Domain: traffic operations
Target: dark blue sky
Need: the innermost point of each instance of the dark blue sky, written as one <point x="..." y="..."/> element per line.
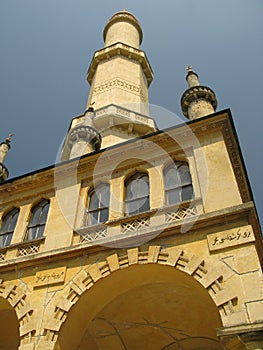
<point x="46" y="47"/>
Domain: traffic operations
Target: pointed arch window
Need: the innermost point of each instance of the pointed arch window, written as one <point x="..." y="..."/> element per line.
<point x="98" y="204"/>
<point x="137" y="199"/>
<point x="8" y="226"/>
<point x="38" y="218"/>
<point x="178" y="183"/>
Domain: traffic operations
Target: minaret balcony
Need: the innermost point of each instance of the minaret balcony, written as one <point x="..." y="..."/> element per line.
<point x="197" y="93"/>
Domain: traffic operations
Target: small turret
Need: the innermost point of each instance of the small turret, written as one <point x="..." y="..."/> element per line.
<point x="84" y="138"/>
<point x="4" y="148"/>
<point x="198" y="100"/>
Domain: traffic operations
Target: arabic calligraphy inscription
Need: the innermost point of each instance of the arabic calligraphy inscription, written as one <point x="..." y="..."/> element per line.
<point x="230" y="238"/>
<point x="51" y="276"/>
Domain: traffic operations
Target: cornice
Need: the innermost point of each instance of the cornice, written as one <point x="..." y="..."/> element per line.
<point x="219" y="121"/>
<point x="120" y="49"/>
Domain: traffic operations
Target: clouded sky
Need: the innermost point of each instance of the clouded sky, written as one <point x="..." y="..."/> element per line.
<point x="46" y="48"/>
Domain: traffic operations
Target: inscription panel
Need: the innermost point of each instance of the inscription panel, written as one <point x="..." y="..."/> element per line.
<point x="229" y="238"/>
<point x="52" y="276"/>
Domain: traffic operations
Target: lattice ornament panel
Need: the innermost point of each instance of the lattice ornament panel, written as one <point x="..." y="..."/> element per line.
<point x="28" y="249"/>
<point x="2" y="256"/>
<point x="93" y="235"/>
<point x="135" y="225"/>
<point x="180" y="214"/>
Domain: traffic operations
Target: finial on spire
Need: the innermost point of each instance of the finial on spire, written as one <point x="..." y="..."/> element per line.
<point x="8" y="139"/>
<point x="189" y="69"/>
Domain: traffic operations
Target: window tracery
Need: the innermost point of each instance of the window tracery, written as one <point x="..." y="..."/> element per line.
<point x="178" y="183"/>
<point x="8" y="226"/>
<point x="98" y="205"/>
<point x="37" y="222"/>
<point x="137" y="196"/>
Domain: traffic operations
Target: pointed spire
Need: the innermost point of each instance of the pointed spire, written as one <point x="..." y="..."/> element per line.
<point x="4" y="148"/>
<point x="197" y="101"/>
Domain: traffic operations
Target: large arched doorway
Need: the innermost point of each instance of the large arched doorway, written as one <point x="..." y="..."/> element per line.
<point x="143" y="307"/>
<point x="9" y="326"/>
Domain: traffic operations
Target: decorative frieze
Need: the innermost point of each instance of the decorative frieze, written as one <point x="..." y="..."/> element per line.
<point x="120" y="84"/>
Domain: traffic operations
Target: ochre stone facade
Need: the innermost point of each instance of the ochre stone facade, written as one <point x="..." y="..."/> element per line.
<point x="186" y="275"/>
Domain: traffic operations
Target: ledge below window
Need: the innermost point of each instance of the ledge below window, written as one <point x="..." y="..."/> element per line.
<point x="128" y="226"/>
<point x="21" y="249"/>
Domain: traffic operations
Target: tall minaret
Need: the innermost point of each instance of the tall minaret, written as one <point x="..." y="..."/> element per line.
<point x="197" y="101"/>
<point x="4" y="148"/>
<point x="119" y="75"/>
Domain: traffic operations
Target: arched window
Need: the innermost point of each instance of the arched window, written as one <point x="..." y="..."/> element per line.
<point x="98" y="204"/>
<point x="37" y="223"/>
<point x="8" y="227"/>
<point x="178" y="183"/>
<point x="137" y="194"/>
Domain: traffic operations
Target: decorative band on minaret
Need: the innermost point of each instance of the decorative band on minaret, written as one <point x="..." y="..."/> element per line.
<point x="4" y="148"/>
<point x="197" y="101"/>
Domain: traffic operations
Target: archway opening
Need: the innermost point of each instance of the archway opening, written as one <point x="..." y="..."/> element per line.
<point x="143" y="307"/>
<point x="9" y="329"/>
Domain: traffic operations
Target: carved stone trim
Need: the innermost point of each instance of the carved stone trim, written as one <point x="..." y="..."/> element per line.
<point x="236" y="163"/>
<point x="16" y="295"/>
<point x="211" y="280"/>
<point x="119" y="83"/>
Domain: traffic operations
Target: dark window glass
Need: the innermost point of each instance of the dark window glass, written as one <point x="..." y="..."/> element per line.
<point x="98" y="206"/>
<point x="8" y="226"/>
<point x="178" y="183"/>
<point x="37" y="223"/>
<point x="137" y="194"/>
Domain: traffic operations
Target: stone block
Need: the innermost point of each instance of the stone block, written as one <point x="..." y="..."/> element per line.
<point x="211" y="276"/>
<point x="174" y="255"/>
<point x="255" y="310"/>
<point x="23" y="311"/>
<point x="223" y="296"/>
<point x="113" y="262"/>
<point x="193" y="264"/>
<point x="27" y="327"/>
<point x="153" y="253"/>
<point x="94" y="272"/>
<point x="252" y="286"/>
<point x="133" y="256"/>
<point x="78" y="280"/>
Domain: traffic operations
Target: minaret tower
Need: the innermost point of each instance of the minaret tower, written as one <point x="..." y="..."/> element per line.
<point x="119" y="75"/>
<point x="198" y="100"/>
<point x="4" y="148"/>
